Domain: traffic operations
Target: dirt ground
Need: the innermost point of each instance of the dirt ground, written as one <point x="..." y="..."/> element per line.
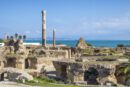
<point x="13" y="84"/>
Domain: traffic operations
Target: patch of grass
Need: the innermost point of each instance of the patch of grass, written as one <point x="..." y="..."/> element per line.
<point x="45" y="82"/>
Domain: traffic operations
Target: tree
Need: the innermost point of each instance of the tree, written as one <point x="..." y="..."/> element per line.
<point x="16" y="36"/>
<point x="1" y="41"/>
<point x="120" y="45"/>
<point x="24" y="37"/>
<point x="8" y="38"/>
<point x="11" y="37"/>
<point x="89" y="44"/>
<point x="20" y="37"/>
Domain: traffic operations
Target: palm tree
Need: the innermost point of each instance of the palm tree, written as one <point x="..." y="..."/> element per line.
<point x="8" y="38"/>
<point x="24" y="37"/>
<point x="11" y="37"/>
<point x="20" y="37"/>
<point x="16" y="36"/>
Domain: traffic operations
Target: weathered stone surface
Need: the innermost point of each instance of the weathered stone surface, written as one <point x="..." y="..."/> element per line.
<point x="1" y="52"/>
<point x="91" y="72"/>
<point x="39" y="52"/>
<point x="107" y="79"/>
<point x="122" y="73"/>
<point x="19" y="47"/>
<point x="127" y="82"/>
<point x="15" y="47"/>
<point x="15" y="74"/>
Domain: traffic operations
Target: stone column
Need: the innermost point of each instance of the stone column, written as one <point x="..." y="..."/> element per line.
<point x="44" y="28"/>
<point x="5" y="37"/>
<point x="20" y="64"/>
<point x="69" y="53"/>
<point x="54" y="38"/>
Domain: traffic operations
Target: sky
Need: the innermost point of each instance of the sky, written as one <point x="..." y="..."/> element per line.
<point x="72" y="19"/>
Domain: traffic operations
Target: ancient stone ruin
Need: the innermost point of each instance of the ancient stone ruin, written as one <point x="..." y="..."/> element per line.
<point x="34" y="60"/>
<point x="91" y="71"/>
<point x="81" y="44"/>
<point x="83" y="64"/>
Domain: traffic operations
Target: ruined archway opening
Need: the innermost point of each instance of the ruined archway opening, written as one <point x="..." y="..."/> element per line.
<point x="11" y="62"/>
<point x="30" y="63"/>
<point x="91" y="75"/>
<point x="26" y="64"/>
<point x="64" y="71"/>
<point x="4" y="76"/>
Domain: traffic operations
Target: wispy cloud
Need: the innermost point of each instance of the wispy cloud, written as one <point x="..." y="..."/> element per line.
<point x="120" y="22"/>
<point x="113" y="25"/>
<point x="27" y="32"/>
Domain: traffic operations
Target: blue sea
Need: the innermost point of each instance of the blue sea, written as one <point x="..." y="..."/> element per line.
<point x="95" y="43"/>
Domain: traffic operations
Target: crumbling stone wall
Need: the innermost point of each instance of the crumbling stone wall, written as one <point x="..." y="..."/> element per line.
<point x="30" y="63"/>
<point x="122" y="73"/>
<point x="1" y="64"/>
<point x="76" y="72"/>
<point x="14" y="74"/>
<point x="72" y="71"/>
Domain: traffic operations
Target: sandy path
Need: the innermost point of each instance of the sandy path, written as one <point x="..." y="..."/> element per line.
<point x="13" y="84"/>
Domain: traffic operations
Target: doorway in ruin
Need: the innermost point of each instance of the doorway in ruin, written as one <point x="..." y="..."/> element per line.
<point x="64" y="71"/>
<point x="11" y="62"/>
<point x="30" y="63"/>
<point x="4" y="76"/>
<point x="27" y="63"/>
<point x="91" y="75"/>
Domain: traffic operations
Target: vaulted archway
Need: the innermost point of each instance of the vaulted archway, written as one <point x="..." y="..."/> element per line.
<point x="91" y="75"/>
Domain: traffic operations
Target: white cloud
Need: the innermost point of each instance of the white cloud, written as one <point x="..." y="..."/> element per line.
<point x="117" y="23"/>
<point x="27" y="32"/>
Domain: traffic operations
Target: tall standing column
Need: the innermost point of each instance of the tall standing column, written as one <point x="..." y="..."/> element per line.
<point x="44" y="28"/>
<point x="54" y="38"/>
<point x="6" y="36"/>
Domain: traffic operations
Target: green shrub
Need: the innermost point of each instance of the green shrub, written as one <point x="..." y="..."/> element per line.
<point x="32" y="81"/>
<point x="89" y="44"/>
<point x="1" y="40"/>
<point x="44" y="80"/>
<point x="120" y="45"/>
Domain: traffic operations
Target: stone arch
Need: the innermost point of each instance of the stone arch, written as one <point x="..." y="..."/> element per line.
<point x="91" y="76"/>
<point x="11" y="62"/>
